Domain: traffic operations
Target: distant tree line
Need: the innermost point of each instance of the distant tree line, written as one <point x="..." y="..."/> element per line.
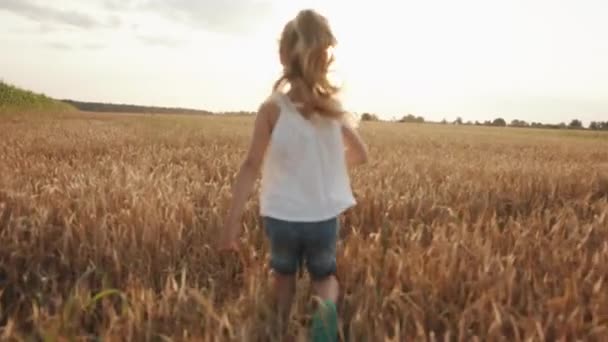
<point x="239" y="113"/>
<point x="127" y="108"/>
<point x="369" y="117"/>
<point x="410" y="118"/>
<point x="574" y="124"/>
<point x="599" y="125"/>
<point x="406" y="118"/>
<point x="498" y="122"/>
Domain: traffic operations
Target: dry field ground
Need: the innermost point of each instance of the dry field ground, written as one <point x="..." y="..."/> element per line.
<point x="460" y="234"/>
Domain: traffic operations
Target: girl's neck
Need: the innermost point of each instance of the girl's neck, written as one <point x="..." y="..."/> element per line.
<point x="298" y="99"/>
<point x="295" y="94"/>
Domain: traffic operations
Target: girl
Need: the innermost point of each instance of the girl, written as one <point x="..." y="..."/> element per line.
<point x="302" y="142"/>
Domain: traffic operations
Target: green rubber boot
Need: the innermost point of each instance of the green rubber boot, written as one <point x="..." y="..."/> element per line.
<point x="325" y="323"/>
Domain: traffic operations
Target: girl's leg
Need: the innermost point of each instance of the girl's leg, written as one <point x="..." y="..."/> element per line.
<point x="285" y="255"/>
<point x="325" y="318"/>
<point x="320" y="252"/>
<point x="327" y="288"/>
<point x="284" y="289"/>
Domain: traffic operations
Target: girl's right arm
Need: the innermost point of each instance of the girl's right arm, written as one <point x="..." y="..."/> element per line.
<point x="248" y="173"/>
<point x="356" y="150"/>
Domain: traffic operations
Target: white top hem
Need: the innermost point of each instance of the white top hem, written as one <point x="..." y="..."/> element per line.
<point x="304" y="218"/>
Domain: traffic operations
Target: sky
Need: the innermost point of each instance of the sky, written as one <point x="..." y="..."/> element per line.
<point x="536" y="60"/>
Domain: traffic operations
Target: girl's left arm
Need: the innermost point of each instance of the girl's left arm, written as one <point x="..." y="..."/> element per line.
<point x="248" y="174"/>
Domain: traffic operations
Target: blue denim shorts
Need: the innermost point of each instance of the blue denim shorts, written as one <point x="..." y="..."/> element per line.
<point x="293" y="243"/>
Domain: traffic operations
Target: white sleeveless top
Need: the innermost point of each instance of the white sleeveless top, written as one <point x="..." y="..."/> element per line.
<point x="304" y="175"/>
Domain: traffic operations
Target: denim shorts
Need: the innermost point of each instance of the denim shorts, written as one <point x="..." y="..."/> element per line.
<point x="293" y="243"/>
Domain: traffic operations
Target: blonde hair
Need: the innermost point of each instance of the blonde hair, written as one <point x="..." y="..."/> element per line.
<point x="304" y="47"/>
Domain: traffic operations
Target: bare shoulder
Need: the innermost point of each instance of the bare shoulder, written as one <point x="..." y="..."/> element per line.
<point x="269" y="111"/>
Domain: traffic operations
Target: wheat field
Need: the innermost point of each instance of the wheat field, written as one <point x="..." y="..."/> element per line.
<point x="459" y="234"/>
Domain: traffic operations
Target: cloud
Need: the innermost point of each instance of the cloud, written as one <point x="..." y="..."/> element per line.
<point x="92" y="47"/>
<point x="160" y="41"/>
<point x="226" y="16"/>
<point x="48" y="15"/>
<point x="119" y="5"/>
<point x="67" y="47"/>
<point x="114" y="21"/>
<point x="59" y="46"/>
<point x="41" y="28"/>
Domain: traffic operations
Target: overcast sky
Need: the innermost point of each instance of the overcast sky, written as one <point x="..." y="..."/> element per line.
<point x="538" y="60"/>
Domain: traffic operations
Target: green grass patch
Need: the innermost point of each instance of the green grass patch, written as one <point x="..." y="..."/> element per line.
<point x="16" y="100"/>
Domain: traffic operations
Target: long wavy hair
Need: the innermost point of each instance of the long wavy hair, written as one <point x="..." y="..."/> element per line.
<point x="305" y="51"/>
